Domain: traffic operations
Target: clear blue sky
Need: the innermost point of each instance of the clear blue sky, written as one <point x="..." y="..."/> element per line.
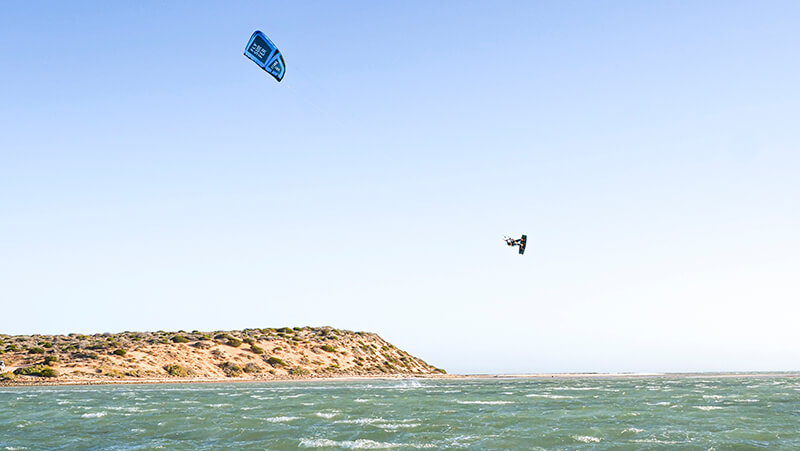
<point x="152" y="177"/>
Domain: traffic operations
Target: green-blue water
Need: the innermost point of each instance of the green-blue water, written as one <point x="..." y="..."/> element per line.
<point x="639" y="413"/>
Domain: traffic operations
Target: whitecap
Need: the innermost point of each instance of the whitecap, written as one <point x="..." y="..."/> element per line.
<point x="655" y="440"/>
<point x="327" y="415"/>
<point x="357" y="444"/>
<point x="538" y="395"/>
<point x="360" y="400"/>
<point x="395" y="426"/>
<point x="707" y="407"/>
<point x="586" y="438"/>
<point x="93" y="415"/>
<point x="491" y="403"/>
<point x="281" y="419"/>
<point x="362" y="421"/>
<point x="660" y="403"/>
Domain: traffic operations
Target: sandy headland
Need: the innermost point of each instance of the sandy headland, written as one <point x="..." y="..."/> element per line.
<point x="239" y="355"/>
<point x="268" y="354"/>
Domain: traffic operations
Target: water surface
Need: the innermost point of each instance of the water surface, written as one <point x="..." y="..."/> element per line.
<point x="637" y="413"/>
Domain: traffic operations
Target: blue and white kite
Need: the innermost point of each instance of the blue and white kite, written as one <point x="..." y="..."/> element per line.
<point x="266" y="54"/>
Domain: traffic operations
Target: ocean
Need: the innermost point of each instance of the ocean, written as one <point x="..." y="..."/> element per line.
<point x="552" y="413"/>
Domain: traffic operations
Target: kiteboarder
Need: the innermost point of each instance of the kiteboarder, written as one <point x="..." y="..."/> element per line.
<point x="521" y="242"/>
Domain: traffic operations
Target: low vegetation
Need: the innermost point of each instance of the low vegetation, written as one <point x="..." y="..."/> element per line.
<point x="36" y="370"/>
<point x="173" y="369"/>
<point x="231" y="369"/>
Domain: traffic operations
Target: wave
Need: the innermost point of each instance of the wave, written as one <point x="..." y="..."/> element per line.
<point x="660" y="403"/>
<point x="547" y="395"/>
<point x="362" y="421"/>
<point x="357" y="444"/>
<point x="586" y="438"/>
<point x="281" y="419"/>
<point x="491" y="403"/>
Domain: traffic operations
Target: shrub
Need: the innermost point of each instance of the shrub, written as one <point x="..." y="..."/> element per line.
<point x="46" y="344"/>
<point x="8" y="376"/>
<point x="179" y="339"/>
<point x="286" y="330"/>
<point x="36" y="350"/>
<point x="110" y="372"/>
<point x="252" y="368"/>
<point x="248" y="340"/>
<point x="439" y="370"/>
<point x="328" y="348"/>
<point x="120" y="352"/>
<point x="176" y="370"/>
<point x="298" y="371"/>
<point x="84" y="355"/>
<point x="36" y="370"/>
<point x="202" y="345"/>
<point x="256" y="349"/>
<point x="50" y="359"/>
<point x="231" y="369"/>
<point x="274" y="361"/>
<point x="235" y="342"/>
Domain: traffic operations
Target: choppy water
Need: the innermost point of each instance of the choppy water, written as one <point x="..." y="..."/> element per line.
<point x="646" y="413"/>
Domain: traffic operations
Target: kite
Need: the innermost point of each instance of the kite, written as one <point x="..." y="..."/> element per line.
<point x="266" y="54"/>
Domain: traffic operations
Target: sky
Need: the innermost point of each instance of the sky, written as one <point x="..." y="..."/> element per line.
<point x="154" y="178"/>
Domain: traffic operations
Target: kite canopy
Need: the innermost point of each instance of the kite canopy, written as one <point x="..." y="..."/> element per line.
<point x="264" y="53"/>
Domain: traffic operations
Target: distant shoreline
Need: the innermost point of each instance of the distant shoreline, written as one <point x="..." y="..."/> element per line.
<point x="213" y="380"/>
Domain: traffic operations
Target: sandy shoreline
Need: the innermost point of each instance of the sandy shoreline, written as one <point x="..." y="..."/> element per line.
<point x="214" y="380"/>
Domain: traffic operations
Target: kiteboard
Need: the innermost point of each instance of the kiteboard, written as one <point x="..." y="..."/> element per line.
<point x="522" y="242"/>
